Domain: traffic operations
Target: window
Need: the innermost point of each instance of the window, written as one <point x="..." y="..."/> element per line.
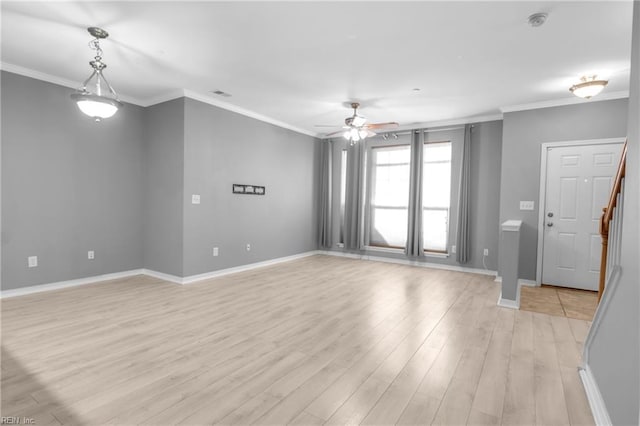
<point x="343" y="192"/>
<point x="389" y="196"/>
<point x="436" y="196"/>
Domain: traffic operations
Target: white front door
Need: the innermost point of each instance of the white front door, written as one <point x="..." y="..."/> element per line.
<point x="578" y="183"/>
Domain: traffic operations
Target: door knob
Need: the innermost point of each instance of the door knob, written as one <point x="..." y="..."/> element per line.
<point x="550" y="214"/>
<point x="549" y="224"/>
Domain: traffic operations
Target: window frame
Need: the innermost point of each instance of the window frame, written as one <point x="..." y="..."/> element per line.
<point x="374" y="144"/>
<point x="454" y="137"/>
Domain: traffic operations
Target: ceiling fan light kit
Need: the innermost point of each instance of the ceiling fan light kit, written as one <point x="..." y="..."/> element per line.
<point x="357" y="128"/>
<point x="101" y="102"/>
<point x="589" y="86"/>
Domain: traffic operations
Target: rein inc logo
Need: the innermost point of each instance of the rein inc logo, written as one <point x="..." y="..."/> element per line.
<point x="14" y="420"/>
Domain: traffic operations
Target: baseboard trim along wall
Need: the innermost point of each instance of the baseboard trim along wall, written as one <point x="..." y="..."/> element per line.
<point x="596" y="402"/>
<point x="508" y="303"/>
<point x="155" y="274"/>
<point x="408" y="262"/>
<point x="522" y="282"/>
<point x="219" y="273"/>
<point x="70" y="283"/>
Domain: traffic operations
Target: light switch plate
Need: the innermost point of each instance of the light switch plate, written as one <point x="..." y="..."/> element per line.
<point x="195" y="199"/>
<point x="91" y="255"/>
<point x="526" y="205"/>
<point x="32" y="261"/>
<point x="215" y="251"/>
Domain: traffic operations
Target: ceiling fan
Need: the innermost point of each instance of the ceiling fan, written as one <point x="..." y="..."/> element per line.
<point x="356" y="127"/>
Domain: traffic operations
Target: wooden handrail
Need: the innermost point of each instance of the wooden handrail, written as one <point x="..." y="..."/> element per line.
<point x="607" y="215"/>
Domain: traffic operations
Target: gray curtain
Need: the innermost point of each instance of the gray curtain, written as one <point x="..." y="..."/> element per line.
<point x="463" y="249"/>
<point x="354" y="195"/>
<point x="324" y="232"/>
<point x="414" y="228"/>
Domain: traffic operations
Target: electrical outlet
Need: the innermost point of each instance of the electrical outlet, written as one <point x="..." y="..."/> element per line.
<point x="32" y="261"/>
<point x="486" y="252"/>
<point x="195" y="199"/>
<point x="526" y="205"/>
<point x="453" y="249"/>
<point x="248" y="247"/>
<point x="215" y="251"/>
<point x="91" y="255"/>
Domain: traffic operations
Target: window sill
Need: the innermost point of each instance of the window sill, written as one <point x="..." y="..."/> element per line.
<point x="436" y="255"/>
<point x="384" y="249"/>
<point x="401" y="251"/>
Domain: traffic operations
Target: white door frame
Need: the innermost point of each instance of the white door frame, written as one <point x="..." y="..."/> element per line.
<point x="543" y="188"/>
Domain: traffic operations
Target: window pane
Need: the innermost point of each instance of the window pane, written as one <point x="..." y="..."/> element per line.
<point x="391" y="186"/>
<point x="437" y="151"/>
<point x="392" y="155"/>
<point x="435" y="225"/>
<point x="389" y="196"/>
<point x="436" y="195"/>
<point x="436" y="188"/>
<point x="388" y="227"/>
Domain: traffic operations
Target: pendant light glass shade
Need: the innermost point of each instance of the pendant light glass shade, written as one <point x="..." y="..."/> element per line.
<point x="96" y="98"/>
<point x="96" y="107"/>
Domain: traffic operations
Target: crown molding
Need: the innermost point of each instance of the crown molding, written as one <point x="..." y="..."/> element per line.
<point x="248" y="113"/>
<point x="565" y="101"/>
<point x="452" y="122"/>
<point x="441" y="123"/>
<point x="170" y="95"/>
<point x="164" y="97"/>
<point x="49" y="78"/>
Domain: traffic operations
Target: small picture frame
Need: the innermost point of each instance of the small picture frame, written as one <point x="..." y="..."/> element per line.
<point x="238" y="188"/>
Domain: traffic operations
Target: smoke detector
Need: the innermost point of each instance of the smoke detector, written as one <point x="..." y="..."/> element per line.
<point x="537" y="19"/>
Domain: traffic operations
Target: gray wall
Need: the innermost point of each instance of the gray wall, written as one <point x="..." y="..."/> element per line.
<point x="486" y="147"/>
<point x="614" y="353"/>
<point x="485" y="194"/>
<point x="69" y="185"/>
<point x="123" y="188"/>
<point x="164" y="187"/>
<point x="222" y="148"/>
<point x="523" y="134"/>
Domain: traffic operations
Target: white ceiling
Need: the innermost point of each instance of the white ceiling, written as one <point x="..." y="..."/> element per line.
<point x="297" y="63"/>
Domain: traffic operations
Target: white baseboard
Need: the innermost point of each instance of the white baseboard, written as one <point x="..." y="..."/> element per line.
<point x="408" y="262"/>
<point x="598" y="407"/>
<point x="160" y="275"/>
<point x="522" y="282"/>
<point x="69" y="283"/>
<point x="508" y="303"/>
<point x="213" y="274"/>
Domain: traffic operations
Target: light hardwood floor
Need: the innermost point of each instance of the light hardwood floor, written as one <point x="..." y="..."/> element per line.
<point x="320" y="340"/>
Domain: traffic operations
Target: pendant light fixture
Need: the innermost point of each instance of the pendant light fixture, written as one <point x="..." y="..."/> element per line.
<point x="96" y="98"/>
<point x="589" y="86"/>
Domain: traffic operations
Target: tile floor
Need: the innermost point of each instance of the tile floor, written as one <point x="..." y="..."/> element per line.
<point x="559" y="301"/>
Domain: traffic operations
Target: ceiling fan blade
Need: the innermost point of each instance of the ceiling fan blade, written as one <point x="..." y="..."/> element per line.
<point x="338" y="133"/>
<point x="389" y="125"/>
<point x="326" y="125"/>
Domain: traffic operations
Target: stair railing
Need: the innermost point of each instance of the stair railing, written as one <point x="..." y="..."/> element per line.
<point x="611" y="224"/>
